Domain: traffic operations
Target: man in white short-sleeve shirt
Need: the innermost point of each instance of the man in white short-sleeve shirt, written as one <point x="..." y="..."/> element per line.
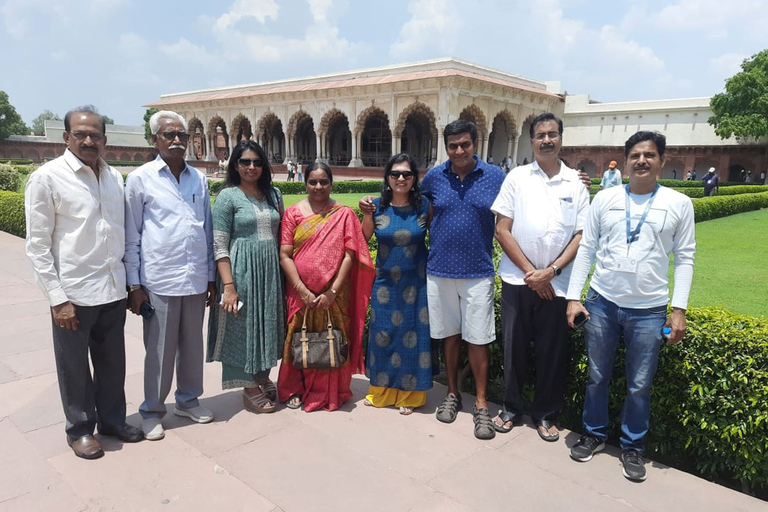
<point x="540" y="212"/>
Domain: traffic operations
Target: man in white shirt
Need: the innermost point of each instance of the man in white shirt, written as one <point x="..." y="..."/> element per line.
<point x="631" y="230"/>
<point x="75" y="241"/>
<point x="540" y="212"/>
<point x="170" y="268"/>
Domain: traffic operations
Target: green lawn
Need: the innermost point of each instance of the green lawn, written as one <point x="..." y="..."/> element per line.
<point x="350" y="200"/>
<point x="730" y="268"/>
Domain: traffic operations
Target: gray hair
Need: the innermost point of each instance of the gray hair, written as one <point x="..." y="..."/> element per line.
<point x="154" y="121"/>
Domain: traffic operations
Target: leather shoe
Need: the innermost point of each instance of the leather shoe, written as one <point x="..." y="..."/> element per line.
<point x="85" y="447"/>
<point x="125" y="432"/>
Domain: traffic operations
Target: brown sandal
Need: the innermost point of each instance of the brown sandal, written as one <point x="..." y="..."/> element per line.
<point x="269" y="389"/>
<point x="258" y="403"/>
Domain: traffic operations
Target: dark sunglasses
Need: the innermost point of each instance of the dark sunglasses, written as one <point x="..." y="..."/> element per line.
<point x="405" y="174"/>
<point x="171" y="136"/>
<point x="246" y="162"/>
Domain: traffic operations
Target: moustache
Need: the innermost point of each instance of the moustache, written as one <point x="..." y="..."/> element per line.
<point x="642" y="167"/>
<point x="547" y="146"/>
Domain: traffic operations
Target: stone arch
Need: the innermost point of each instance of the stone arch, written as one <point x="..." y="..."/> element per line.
<point x="375" y="137"/>
<point x="125" y="157"/>
<point x="48" y="154"/>
<point x="674" y="168"/>
<point x="241" y="128"/>
<point x="217" y="130"/>
<point x="301" y="128"/>
<point x="418" y="133"/>
<point x="589" y="166"/>
<point x="270" y="135"/>
<point x="502" y="138"/>
<point x="474" y="114"/>
<point x="33" y="155"/>
<point x="336" y="137"/>
<point x="525" y="149"/>
<point x="110" y="157"/>
<point x="197" y="146"/>
<point x="15" y="153"/>
<point x="138" y="157"/>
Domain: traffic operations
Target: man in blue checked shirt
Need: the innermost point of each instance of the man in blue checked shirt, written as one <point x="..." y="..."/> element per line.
<point x="170" y="271"/>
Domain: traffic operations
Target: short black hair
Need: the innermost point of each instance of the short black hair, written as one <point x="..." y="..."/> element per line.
<point x="546" y="116"/>
<point x="642" y="136"/>
<point x="458" y="127"/>
<point x="82" y="109"/>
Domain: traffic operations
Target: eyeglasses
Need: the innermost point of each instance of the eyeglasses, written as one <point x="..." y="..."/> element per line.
<point x="322" y="183"/>
<point x="453" y="146"/>
<point x="406" y="175"/>
<point x="247" y="162"/>
<point x="95" y="137"/>
<point x="171" y="136"/>
<point x="551" y="135"/>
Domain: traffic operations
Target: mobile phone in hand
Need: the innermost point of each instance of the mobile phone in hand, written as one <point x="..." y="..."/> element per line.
<point x="580" y="320"/>
<point x="146" y="310"/>
<point x="239" y="304"/>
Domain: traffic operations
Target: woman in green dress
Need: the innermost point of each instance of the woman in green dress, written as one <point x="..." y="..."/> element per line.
<point x="247" y="327"/>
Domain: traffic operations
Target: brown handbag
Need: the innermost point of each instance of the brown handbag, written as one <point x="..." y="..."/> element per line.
<point x="319" y="350"/>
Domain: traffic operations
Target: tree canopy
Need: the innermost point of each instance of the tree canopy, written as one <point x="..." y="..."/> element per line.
<point x="38" y="123"/>
<point x="108" y="120"/>
<point x="147" y="131"/>
<point x="10" y="120"/>
<point x="742" y="110"/>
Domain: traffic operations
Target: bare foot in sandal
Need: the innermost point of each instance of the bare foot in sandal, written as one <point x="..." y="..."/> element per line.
<point x="268" y="387"/>
<point x="255" y="400"/>
<point x="502" y="426"/>
<point x="294" y="402"/>
<point x="405" y="411"/>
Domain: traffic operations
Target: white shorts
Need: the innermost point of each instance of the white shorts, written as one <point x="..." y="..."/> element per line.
<point x="461" y="306"/>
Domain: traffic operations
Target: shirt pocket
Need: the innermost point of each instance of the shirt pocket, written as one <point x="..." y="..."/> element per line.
<point x="567" y="211"/>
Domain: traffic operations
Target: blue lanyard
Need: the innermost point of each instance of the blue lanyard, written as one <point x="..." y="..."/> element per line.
<point x="632" y="234"/>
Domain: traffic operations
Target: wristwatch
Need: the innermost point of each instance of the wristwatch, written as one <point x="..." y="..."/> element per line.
<point x="134" y="287"/>
<point x="557" y="269"/>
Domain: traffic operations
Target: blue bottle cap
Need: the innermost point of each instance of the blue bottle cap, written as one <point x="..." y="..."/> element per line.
<point x="666" y="331"/>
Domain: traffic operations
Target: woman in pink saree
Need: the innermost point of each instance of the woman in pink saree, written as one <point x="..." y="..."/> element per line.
<point x="328" y="268"/>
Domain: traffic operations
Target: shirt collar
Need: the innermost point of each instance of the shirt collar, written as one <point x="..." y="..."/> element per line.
<point x="75" y="164"/>
<point x="560" y="176"/>
<point x="158" y="164"/>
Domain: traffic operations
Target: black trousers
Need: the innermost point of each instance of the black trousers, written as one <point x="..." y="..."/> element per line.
<point x="100" y="398"/>
<point x="527" y="318"/>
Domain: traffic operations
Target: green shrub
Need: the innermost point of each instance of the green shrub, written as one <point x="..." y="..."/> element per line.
<point x="695" y="193"/>
<point x="12" y="213"/>
<point x="124" y="163"/>
<point x="708" y="208"/>
<point x="10" y="179"/>
<point x="298" y="187"/>
<point x="19" y="161"/>
<point x="25" y="170"/>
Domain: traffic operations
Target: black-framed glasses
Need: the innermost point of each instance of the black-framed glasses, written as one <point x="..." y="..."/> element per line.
<point x="247" y="162"/>
<point x="406" y="175"/>
<point x="95" y="137"/>
<point x="171" y="136"/>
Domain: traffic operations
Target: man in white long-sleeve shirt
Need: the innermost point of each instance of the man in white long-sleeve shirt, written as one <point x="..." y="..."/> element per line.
<point x="635" y="227"/>
<point x="169" y="265"/>
<point x="75" y="241"/>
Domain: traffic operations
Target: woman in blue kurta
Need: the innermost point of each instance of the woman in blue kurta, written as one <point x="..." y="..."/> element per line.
<point x="399" y="358"/>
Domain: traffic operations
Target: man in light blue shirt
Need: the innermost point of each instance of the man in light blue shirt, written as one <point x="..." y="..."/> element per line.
<point x="611" y="176"/>
<point x="170" y="271"/>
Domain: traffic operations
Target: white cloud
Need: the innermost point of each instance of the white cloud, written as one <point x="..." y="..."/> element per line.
<point x="321" y="39"/>
<point x="433" y="24"/>
<point x="726" y="65"/>
<point x="241" y="9"/>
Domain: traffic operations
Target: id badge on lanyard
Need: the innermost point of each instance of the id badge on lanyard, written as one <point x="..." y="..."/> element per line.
<point x="626" y="263"/>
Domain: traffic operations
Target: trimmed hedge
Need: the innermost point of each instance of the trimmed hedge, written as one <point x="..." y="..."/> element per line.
<point x="12" y="213"/>
<point x="124" y="163"/>
<point x="708" y="208"/>
<point x="10" y="178"/>
<point x="695" y="193"/>
<point x="21" y="161"/>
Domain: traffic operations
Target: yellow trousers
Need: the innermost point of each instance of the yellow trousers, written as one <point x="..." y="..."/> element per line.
<point x="383" y="397"/>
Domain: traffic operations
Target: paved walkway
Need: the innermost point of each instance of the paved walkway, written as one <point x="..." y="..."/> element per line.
<point x="357" y="458"/>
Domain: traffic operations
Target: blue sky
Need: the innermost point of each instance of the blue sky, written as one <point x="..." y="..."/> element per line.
<point x="121" y="54"/>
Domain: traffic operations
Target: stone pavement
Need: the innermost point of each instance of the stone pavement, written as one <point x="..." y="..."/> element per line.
<point x="357" y="458"/>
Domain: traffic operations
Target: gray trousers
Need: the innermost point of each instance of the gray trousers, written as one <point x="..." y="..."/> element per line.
<point x="173" y="336"/>
<point x="98" y="398"/>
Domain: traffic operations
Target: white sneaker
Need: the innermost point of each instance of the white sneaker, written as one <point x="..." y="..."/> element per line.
<point x="199" y="414"/>
<point x="153" y="429"/>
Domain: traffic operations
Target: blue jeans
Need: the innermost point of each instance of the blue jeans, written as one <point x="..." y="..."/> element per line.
<point x="642" y="338"/>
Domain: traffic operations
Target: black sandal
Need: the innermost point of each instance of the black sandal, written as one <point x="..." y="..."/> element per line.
<point x="484" y="428"/>
<point x="449" y="409"/>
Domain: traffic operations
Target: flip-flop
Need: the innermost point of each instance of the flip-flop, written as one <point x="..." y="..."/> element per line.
<point x="293" y="405"/>
<point x="405" y="411"/>
<point x="505" y="418"/>
<point x="546" y="436"/>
